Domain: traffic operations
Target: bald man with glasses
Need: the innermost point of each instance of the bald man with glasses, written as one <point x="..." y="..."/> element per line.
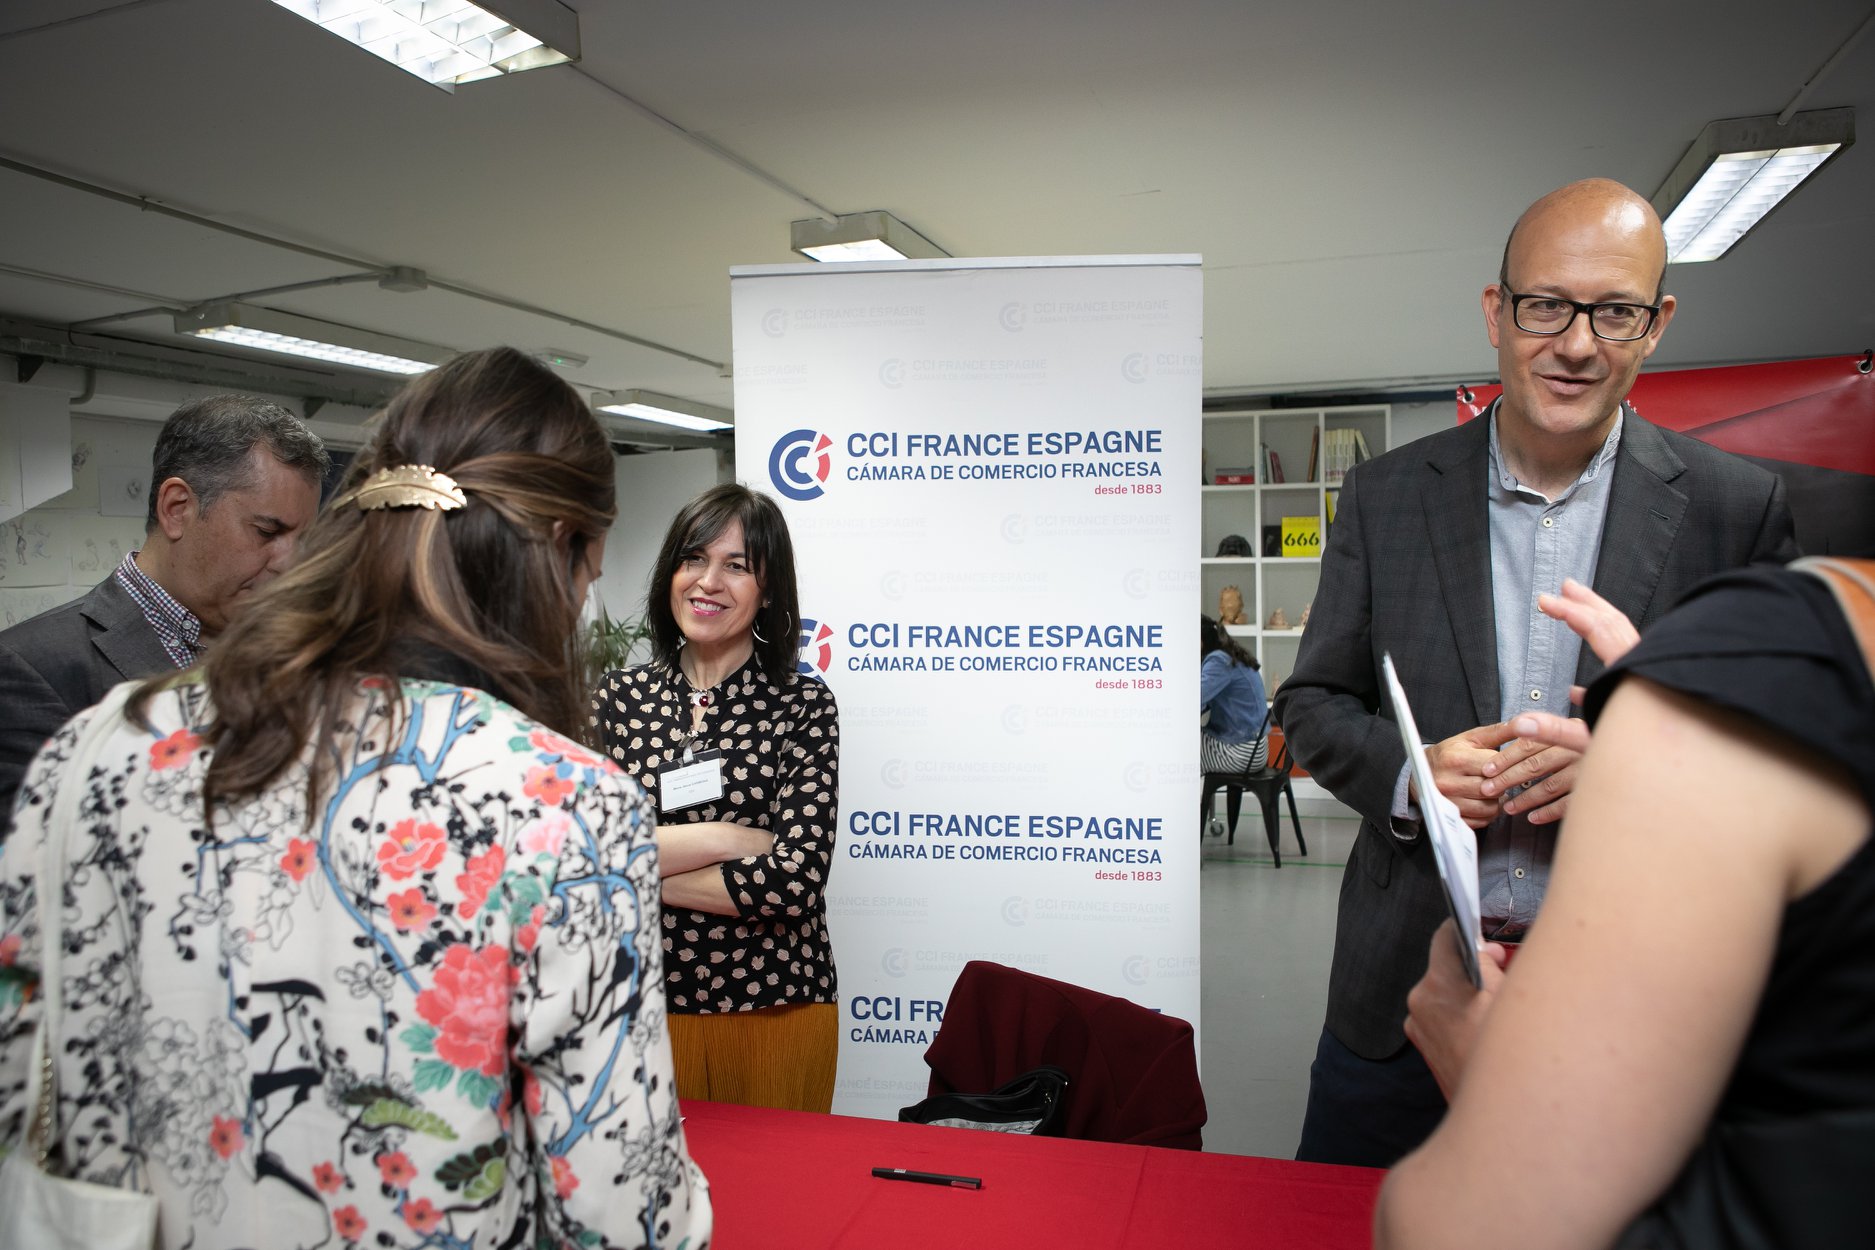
<point x="1439" y="551"/>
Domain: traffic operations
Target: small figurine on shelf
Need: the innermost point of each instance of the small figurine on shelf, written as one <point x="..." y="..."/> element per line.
<point x="1306" y="609"/>
<point x="1230" y="607"/>
<point x="1277" y="620"/>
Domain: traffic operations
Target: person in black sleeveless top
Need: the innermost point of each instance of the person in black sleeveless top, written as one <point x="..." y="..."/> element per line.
<point x="1687" y="1041"/>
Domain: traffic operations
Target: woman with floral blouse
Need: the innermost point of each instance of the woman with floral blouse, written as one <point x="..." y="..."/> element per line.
<point x="360" y="948"/>
<point x="741" y="754"/>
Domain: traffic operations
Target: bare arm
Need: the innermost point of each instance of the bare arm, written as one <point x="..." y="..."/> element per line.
<point x="1612" y="1037"/>
<point x="708" y="842"/>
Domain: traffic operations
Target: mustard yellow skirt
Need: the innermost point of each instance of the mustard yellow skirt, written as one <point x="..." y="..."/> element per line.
<point x="768" y="1057"/>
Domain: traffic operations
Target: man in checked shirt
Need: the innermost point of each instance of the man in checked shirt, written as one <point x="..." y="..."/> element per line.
<point x="234" y="481"/>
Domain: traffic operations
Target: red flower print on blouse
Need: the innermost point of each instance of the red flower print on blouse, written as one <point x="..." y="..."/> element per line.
<point x="301" y="854"/>
<point x="422" y="1215"/>
<point x="226" y="1136"/>
<point x="411" y="848"/>
<point x="547" y="742"/>
<point x="350" y="1224"/>
<point x="529" y="933"/>
<point x="410" y="910"/>
<point x="484" y="873"/>
<point x="174" y="750"/>
<point x="396" y="1169"/>
<point x="532" y="1094"/>
<point x="9" y="950"/>
<point x="468" y="1004"/>
<point x="564" y="1182"/>
<point x="547" y="785"/>
<point x="327" y="1178"/>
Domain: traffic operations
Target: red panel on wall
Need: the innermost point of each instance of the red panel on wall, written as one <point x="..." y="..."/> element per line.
<point x="1812" y="421"/>
<point x="1818" y="412"/>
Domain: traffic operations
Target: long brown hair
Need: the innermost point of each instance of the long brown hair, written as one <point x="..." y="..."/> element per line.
<point x="486" y="583"/>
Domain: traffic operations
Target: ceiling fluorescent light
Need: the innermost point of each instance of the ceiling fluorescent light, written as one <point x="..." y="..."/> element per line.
<point x="686" y="414"/>
<point x="861" y="236"/>
<point x="247" y="325"/>
<point x="450" y="42"/>
<point x="1737" y="171"/>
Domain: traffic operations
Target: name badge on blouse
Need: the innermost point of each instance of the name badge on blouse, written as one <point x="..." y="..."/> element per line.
<point x="697" y="778"/>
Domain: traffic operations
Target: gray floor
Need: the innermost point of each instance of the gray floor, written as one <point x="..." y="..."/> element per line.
<point x="1267" y="936"/>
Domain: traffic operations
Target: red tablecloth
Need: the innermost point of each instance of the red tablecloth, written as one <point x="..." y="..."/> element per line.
<point x="785" y="1180"/>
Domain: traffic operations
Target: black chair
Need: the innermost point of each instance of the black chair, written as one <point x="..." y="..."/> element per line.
<point x="1267" y="783"/>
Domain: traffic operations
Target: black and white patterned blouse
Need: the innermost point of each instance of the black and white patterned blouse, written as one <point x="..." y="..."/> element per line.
<point x="781" y="768"/>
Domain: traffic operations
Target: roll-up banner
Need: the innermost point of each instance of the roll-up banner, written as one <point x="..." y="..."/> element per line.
<point x="990" y="469"/>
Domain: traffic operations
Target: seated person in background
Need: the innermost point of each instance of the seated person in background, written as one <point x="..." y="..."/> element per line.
<point x="1230" y="689"/>
<point x="234" y="483"/>
<point x="360" y="948"/>
<point x="1686" y="1044"/>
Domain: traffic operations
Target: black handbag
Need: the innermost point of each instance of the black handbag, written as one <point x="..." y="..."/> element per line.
<point x="1034" y="1103"/>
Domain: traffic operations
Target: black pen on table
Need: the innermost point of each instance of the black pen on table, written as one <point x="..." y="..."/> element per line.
<point x="928" y="1178"/>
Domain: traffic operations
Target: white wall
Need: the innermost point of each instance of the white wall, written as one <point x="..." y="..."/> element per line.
<point x="57" y="551"/>
<point x="651" y="488"/>
<point x="1411" y="421"/>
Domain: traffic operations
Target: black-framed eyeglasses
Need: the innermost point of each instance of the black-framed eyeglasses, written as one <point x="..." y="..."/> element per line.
<point x="1552" y="314"/>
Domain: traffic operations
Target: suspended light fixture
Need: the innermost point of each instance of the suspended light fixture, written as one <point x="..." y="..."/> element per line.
<point x="1737" y="171"/>
<point x="450" y="42"/>
<point x="687" y="414"/>
<point x="875" y="235"/>
<point x="267" y="330"/>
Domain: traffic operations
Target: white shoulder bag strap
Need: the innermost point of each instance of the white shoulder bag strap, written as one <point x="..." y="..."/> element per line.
<point x="41" y="1210"/>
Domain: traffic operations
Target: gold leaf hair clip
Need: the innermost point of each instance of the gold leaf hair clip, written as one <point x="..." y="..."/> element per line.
<point x="409" y="486"/>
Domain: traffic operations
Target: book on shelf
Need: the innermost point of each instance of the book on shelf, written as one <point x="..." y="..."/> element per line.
<point x="1235" y="477"/>
<point x="1360" y="448"/>
<point x="1315" y="440"/>
<point x="1272" y="466"/>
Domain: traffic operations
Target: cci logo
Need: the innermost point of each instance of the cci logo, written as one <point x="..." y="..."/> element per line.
<point x="892" y="772"/>
<point x="892" y="963"/>
<point x="1015" y="719"/>
<point x="1137" y="583"/>
<point x="1138" y="775"/>
<point x="1015" y="527"/>
<point x="1136" y="969"/>
<point x="892" y="585"/>
<point x="1013" y="317"/>
<point x="1133" y="367"/>
<point x="799" y="464"/>
<point x="775" y="322"/>
<point x="1015" y="911"/>
<point x="892" y="373"/>
<point x="816" y="651"/>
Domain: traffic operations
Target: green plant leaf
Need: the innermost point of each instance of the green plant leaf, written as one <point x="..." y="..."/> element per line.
<point x="433" y="1074"/>
<point x="478" y="1089"/>
<point x="488" y="1183"/>
<point x="421" y="1038"/>
<point x="388" y="1111"/>
<point x="481" y="1170"/>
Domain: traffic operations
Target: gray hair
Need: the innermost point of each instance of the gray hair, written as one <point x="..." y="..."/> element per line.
<point x="209" y="442"/>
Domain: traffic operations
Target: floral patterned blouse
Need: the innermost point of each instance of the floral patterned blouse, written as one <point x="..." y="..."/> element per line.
<point x="429" y="1013"/>
<point x="781" y="765"/>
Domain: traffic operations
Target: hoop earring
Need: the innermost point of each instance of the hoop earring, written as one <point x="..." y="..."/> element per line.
<point x="757" y="633"/>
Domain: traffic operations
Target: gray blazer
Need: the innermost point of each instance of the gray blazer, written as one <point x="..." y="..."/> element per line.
<point x="61" y="662"/>
<point x="1407" y="571"/>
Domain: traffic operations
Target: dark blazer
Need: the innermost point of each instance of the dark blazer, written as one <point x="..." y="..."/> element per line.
<point x="59" y="663"/>
<point x="1407" y="571"/>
